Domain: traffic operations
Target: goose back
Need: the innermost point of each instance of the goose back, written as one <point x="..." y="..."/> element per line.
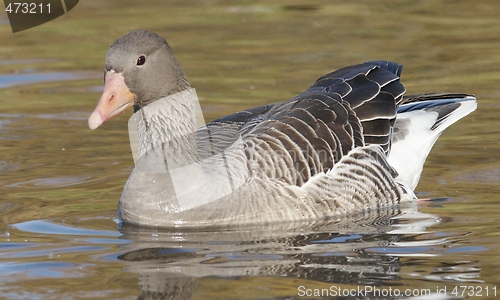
<point x="292" y="141"/>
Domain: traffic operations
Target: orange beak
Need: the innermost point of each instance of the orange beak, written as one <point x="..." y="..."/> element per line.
<point x="115" y="98"/>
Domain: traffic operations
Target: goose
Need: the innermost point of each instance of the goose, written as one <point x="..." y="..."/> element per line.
<point x="351" y="143"/>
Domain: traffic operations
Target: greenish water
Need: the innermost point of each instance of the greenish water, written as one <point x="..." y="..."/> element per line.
<point x="60" y="182"/>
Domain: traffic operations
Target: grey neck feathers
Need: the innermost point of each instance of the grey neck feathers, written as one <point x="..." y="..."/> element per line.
<point x="169" y="125"/>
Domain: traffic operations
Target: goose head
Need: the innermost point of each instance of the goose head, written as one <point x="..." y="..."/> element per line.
<point x="140" y="69"/>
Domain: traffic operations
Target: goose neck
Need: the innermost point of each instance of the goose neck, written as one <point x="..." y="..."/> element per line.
<point x="169" y="124"/>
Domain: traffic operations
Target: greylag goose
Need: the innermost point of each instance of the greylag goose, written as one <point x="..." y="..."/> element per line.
<point x="350" y="143"/>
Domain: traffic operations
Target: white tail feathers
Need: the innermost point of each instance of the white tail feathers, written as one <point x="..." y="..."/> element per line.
<point x="418" y="126"/>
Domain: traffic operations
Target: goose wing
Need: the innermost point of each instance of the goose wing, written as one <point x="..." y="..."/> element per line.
<point x="353" y="107"/>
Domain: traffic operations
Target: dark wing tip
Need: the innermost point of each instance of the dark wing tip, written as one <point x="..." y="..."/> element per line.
<point x="388" y="65"/>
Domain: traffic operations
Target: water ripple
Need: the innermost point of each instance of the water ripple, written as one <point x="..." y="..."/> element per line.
<point x="46" y="227"/>
<point x="11" y="80"/>
<point x="49" y="182"/>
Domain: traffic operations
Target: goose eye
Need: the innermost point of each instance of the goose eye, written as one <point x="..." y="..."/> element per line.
<point x="141" y="60"/>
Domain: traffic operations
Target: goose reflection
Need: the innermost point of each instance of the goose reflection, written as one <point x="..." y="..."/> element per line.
<point x="349" y="251"/>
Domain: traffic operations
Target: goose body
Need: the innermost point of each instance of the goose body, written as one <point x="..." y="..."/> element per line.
<point x="349" y="144"/>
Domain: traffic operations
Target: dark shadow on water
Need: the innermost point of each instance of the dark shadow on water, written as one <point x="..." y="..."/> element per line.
<point x="349" y="251"/>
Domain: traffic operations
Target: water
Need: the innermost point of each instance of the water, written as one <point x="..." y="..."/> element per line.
<point x="60" y="182"/>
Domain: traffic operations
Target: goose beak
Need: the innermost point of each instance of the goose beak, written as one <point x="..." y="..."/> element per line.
<point x="115" y="98"/>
